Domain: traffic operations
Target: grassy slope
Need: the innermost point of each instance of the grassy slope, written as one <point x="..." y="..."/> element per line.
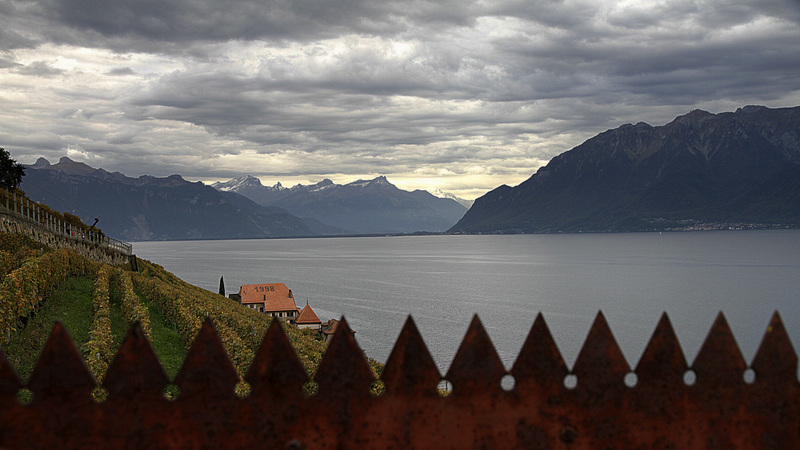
<point x="68" y="304"/>
<point x="167" y="343"/>
<point x="118" y="324"/>
<point x="72" y="305"/>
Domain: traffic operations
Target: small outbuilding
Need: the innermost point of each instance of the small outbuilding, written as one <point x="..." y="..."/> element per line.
<point x="308" y="319"/>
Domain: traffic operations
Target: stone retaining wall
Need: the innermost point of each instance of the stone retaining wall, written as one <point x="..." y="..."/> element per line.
<point x="89" y="250"/>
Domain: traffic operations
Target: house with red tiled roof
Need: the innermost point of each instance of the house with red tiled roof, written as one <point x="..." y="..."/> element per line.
<point x="273" y="299"/>
<point x="308" y="319"/>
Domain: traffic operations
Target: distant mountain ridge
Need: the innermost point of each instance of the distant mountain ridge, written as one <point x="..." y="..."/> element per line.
<point x="251" y="187"/>
<point x="151" y="208"/>
<point x="442" y="194"/>
<point x="362" y="206"/>
<point x="737" y="168"/>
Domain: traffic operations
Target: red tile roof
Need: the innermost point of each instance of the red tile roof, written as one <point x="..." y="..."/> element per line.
<point x="274" y="296"/>
<point x="307" y="317"/>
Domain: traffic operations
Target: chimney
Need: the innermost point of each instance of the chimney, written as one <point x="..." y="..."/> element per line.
<point x="290" y="294"/>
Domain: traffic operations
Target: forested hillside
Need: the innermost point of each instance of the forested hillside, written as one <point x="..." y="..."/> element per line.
<point x="98" y="303"/>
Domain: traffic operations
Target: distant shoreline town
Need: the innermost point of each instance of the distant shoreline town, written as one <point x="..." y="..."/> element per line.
<point x="685" y="226"/>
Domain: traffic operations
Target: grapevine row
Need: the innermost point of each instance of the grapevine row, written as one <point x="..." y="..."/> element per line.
<point x="97" y="351"/>
<point x="132" y="307"/>
<point x="238" y="327"/>
<point x="160" y="293"/>
<point x="29" y="273"/>
<point x="22" y="289"/>
<point x="186" y="312"/>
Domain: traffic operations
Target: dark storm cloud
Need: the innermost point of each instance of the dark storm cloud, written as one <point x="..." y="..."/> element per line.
<point x="269" y="112"/>
<point x="5" y="63"/>
<point x="551" y="13"/>
<point x="130" y="25"/>
<point x="680" y="50"/>
<point x="121" y="71"/>
<point x="165" y="23"/>
<point x="38" y="69"/>
<point x="169" y="25"/>
<point x="533" y="68"/>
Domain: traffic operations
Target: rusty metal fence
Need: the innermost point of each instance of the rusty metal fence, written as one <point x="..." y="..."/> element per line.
<point x="717" y="402"/>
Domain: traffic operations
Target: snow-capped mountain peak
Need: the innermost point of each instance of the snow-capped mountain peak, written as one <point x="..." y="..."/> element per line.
<point x="237" y="184"/>
<point x="324" y="184"/>
<point x="363" y="206"/>
<point x="442" y="194"/>
<point x="379" y="181"/>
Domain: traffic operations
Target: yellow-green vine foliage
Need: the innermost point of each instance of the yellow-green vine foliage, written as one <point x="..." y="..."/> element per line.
<point x="97" y="351"/>
<point x="15" y="248"/>
<point x="132" y="307"/>
<point x="23" y="289"/>
<point x="30" y="275"/>
<point x="164" y="296"/>
<point x="12" y="261"/>
<point x="240" y="329"/>
<point x="187" y="312"/>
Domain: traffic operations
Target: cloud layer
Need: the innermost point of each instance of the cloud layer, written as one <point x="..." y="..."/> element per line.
<point x="457" y="95"/>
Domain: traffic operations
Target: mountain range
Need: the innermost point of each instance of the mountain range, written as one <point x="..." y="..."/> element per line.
<point x="737" y="168"/>
<point x="701" y="170"/>
<point x="363" y="206"/>
<point x="150" y="208"/>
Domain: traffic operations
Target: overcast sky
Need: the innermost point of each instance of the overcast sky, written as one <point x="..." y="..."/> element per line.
<point x="456" y="94"/>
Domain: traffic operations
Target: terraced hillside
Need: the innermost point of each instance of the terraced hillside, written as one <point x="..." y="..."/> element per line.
<point x="98" y="303"/>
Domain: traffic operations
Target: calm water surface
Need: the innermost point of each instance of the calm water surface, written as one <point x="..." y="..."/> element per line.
<point x="442" y="281"/>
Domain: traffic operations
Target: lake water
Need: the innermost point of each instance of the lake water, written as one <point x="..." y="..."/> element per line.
<point x="376" y="282"/>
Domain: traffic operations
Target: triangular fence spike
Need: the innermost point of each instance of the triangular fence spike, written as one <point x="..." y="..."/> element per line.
<point x="410" y="369"/>
<point x="344" y="371"/>
<point x="775" y="361"/>
<point x="600" y="364"/>
<point x="60" y="373"/>
<point x="476" y="365"/>
<point x="276" y="371"/>
<point x="539" y="361"/>
<point x="207" y="369"/>
<point x="663" y="362"/>
<point x="9" y="380"/>
<point x="135" y="370"/>
<point x="719" y="361"/>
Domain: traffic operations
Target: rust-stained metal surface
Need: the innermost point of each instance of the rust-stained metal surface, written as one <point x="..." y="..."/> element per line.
<point x="655" y="408"/>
